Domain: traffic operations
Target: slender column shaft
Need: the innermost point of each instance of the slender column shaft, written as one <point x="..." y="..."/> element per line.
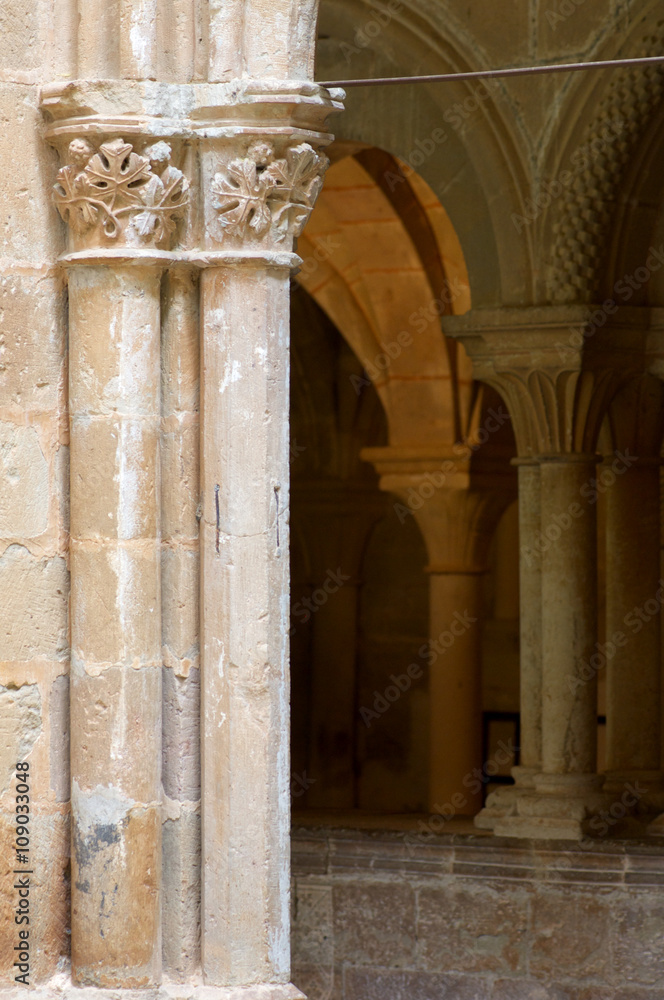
<point x="455" y="690"/>
<point x="244" y="625"/>
<point x="530" y="601"/>
<point x="115" y="625"/>
<point x="138" y="39"/>
<point x="63" y="39"/>
<point x="176" y="39"/>
<point x="98" y="39"/>
<point x="569" y="619"/>
<point x="180" y="621"/>
<point x="633" y="621"/>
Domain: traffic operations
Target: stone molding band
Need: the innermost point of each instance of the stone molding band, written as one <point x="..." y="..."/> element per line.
<point x="185" y="258"/>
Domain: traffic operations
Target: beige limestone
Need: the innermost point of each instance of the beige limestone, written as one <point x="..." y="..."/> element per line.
<point x="179" y="441"/>
<point x="503" y="155"/>
<point x="116" y="631"/>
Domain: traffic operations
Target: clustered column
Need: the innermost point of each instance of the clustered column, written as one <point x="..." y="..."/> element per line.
<point x="124" y="197"/>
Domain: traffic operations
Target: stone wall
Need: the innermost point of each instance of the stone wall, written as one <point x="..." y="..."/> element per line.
<point x="402" y="916"/>
<point x="34" y="577"/>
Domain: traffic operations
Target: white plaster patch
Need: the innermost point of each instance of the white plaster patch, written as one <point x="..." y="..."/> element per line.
<point x="101" y="807"/>
<point x="232" y="373"/>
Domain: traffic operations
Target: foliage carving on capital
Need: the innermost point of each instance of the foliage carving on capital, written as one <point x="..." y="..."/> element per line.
<point x="262" y="191"/>
<point x="115" y="192"/>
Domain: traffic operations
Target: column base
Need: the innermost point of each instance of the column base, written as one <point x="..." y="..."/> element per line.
<point x="60" y="987"/>
<point x="555" y="807"/>
<point x="503" y="803"/>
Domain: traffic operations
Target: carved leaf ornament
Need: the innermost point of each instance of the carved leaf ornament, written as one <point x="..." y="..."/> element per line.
<point x="117" y="188"/>
<point x="259" y="190"/>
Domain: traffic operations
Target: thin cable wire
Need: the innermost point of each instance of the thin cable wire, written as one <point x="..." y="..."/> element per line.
<point x="486" y="73"/>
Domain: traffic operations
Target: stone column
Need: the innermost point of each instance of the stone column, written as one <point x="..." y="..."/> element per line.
<point x="111" y="195"/>
<point x="569" y="631"/>
<point x="181" y="758"/>
<point x="259" y="187"/>
<point x="457" y="520"/>
<point x="123" y="199"/>
<point x="634" y="591"/>
<point x="503" y="801"/>
<point x="557" y="389"/>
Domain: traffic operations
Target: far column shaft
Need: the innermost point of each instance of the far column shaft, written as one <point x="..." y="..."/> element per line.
<point x="569" y="628"/>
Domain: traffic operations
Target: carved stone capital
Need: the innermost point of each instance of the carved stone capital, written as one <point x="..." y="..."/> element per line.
<point x="266" y="195"/>
<point x="557" y="368"/>
<point x="111" y="195"/>
<point x="250" y="152"/>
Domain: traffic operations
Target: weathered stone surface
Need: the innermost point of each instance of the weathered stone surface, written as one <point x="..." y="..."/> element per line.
<point x="115" y="921"/>
<point x="119" y="707"/>
<point x="116" y="462"/>
<point x="514" y="989"/>
<point x="20" y="727"/>
<point x="33" y="605"/>
<point x="181" y="754"/>
<point x="108" y="628"/>
<point x="60" y="738"/>
<point x="179" y="601"/>
<point x="637" y="926"/>
<point x="570" y="935"/>
<point x="377" y="984"/>
<point x="181" y="893"/>
<point x="374" y="924"/>
<point x="32" y="341"/>
<point x="24" y="483"/>
<point x="29" y="226"/>
<point x="473" y="929"/>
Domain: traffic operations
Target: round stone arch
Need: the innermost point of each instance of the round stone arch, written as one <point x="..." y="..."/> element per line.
<point x="460" y="137"/>
<point x="384" y="266"/>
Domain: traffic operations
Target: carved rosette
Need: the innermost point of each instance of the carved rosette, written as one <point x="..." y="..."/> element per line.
<point x="113" y="195"/>
<point x="262" y="194"/>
